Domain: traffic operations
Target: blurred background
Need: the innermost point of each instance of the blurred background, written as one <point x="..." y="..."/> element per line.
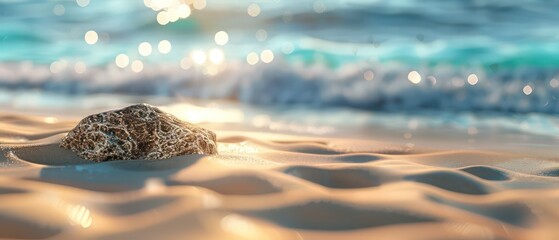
<point x="449" y="62"/>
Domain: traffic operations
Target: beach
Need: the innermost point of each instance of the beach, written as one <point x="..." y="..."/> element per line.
<point x="350" y="119"/>
<point x="277" y="184"/>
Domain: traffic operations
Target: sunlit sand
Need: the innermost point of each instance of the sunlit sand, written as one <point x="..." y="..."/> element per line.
<point x="267" y="184"/>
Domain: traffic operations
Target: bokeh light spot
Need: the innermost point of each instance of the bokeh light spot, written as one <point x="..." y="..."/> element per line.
<point x="473" y="131"/>
<point x="164" y="46"/>
<point x="137" y="66"/>
<point x="261" y="35"/>
<point x="172" y="15"/>
<point x="554" y="83"/>
<point x="252" y="58"/>
<point x="199" y="4"/>
<point x="122" y="60"/>
<point x="184" y="11"/>
<point x="221" y="38"/>
<point x="472" y="79"/>
<point x="57" y="66"/>
<point x="253" y="10"/>
<point x="432" y="80"/>
<point x="527" y="90"/>
<point x="267" y="56"/>
<point x="91" y="37"/>
<point x="82" y="3"/>
<point x="162" y="18"/>
<point x="414" y="77"/>
<point x="58" y="10"/>
<point x="368" y="75"/>
<point x="145" y="49"/>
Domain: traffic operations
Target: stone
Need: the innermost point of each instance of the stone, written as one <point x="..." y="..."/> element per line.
<point x="139" y="131"/>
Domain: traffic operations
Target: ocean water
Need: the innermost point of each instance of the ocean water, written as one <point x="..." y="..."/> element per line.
<point x="428" y="58"/>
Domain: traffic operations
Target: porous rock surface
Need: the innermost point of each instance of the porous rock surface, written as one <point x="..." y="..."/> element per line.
<point x="136" y="132"/>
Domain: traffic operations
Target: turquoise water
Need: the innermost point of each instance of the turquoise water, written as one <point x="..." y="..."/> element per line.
<point x="472" y="56"/>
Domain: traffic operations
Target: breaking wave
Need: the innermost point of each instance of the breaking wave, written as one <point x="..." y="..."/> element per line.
<point x="362" y="85"/>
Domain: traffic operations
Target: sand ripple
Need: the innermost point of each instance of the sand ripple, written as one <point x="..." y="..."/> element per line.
<point x="272" y="186"/>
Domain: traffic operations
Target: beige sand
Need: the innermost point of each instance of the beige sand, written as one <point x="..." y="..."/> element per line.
<point x="266" y="185"/>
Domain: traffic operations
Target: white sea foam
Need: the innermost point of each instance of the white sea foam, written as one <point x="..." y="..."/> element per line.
<point x="279" y="83"/>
